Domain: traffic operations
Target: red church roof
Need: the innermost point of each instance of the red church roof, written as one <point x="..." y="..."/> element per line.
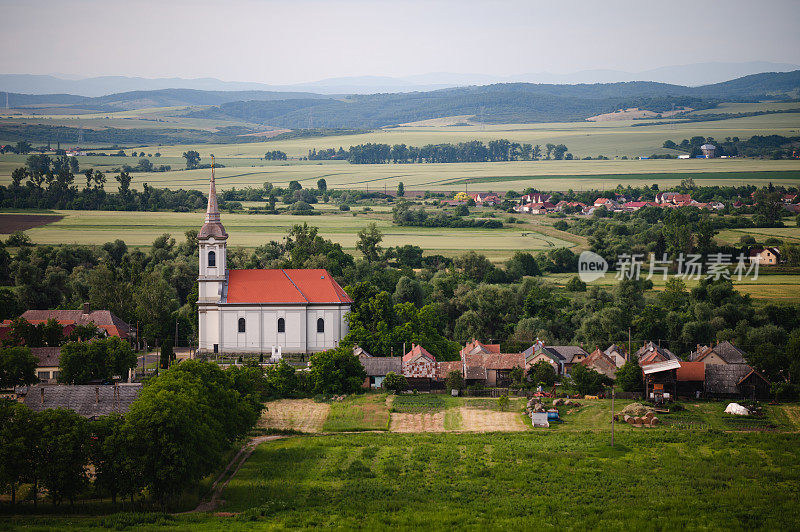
<point x="284" y="286"/>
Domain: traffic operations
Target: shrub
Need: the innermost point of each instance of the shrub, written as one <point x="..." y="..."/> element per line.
<point x="502" y="402"/>
<point x="455" y="381"/>
<point x="395" y="383"/>
<point x="576" y="285"/>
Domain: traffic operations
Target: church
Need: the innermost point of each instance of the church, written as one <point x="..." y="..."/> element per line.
<point x="263" y="311"/>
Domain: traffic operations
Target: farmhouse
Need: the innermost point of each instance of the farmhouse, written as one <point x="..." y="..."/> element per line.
<point x="561" y="357"/>
<point x="651" y="353"/>
<point x="601" y="363"/>
<point x="47" y="367"/>
<point x="765" y="256"/>
<point x="257" y="311"/>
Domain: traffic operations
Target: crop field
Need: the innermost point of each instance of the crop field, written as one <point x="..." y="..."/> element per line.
<point x="251" y="230"/>
<point x="244" y="166"/>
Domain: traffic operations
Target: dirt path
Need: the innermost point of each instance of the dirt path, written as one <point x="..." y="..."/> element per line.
<point x="230" y="471"/>
<point x="417" y="422"/>
<point x="474" y="420"/>
<point x="303" y="415"/>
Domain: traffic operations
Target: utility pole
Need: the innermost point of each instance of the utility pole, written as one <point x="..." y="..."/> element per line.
<point x="629" y="344"/>
<point x="612" y="415"/>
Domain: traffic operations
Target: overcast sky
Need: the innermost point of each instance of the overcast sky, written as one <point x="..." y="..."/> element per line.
<point x="282" y="41"/>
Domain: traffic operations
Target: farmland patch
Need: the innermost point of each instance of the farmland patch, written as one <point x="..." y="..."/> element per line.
<point x="302" y="415"/>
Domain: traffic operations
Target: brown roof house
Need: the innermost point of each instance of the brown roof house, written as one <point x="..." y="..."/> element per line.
<point x="765" y="256"/>
<point x="601" y="363"/>
<point x="419" y="367"/>
<point x="650" y="353"/>
<point x="562" y="357"/>
<point x="47" y="367"/>
<point x="727" y="373"/>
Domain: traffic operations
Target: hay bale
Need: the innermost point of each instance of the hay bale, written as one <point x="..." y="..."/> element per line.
<point x="636" y="410"/>
<point x="558" y="402"/>
<point x="654" y="421"/>
<point x="628" y="419"/>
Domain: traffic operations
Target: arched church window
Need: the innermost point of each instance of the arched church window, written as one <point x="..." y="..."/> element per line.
<point x="320" y="325"/>
<point x="281" y="325"/>
<point x="212" y="259"/>
<point x="241" y="325"/>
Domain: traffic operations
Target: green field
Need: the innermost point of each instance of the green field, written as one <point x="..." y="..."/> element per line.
<point x="251" y="230"/>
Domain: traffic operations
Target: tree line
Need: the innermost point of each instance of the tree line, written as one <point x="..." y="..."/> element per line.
<point x="770" y="146"/>
<point x="463" y="152"/>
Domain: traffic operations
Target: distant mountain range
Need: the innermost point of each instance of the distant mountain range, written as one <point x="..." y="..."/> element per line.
<point x="687" y="75"/>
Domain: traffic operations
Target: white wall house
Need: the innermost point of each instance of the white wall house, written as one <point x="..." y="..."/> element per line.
<point x="263" y="311"/>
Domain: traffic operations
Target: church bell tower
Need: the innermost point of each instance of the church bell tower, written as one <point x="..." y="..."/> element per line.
<point x="212" y="240"/>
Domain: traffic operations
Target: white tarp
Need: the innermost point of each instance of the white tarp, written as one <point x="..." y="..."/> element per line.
<point x="737" y="409"/>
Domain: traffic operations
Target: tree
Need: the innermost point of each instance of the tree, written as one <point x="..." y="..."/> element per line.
<point x="629" y="376"/>
<point x="282" y="378"/>
<point x="111" y="454"/>
<point x="542" y="373"/>
<point x="295" y="185"/>
<point x="369" y="239"/>
<point x="82" y="362"/>
<point x="337" y="371"/>
<point x="395" y="382"/>
<point x="322" y="185"/>
<point x="64" y="437"/>
<point x="192" y="159"/>
<point x="575" y="285"/>
<point x="455" y="381"/>
<point x="166" y="353"/>
<point x="183" y="421"/>
<point x="409" y="290"/>
<point x="124" y="180"/>
<point x="401" y="189"/>
<point x="587" y="380"/>
<point x="19" y="437"/>
<point x="17" y="367"/>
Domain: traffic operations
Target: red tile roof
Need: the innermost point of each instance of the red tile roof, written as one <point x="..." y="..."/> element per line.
<point x="417" y="350"/>
<point x="300" y="286"/>
<point x="692" y="371"/>
<point x="103" y="319"/>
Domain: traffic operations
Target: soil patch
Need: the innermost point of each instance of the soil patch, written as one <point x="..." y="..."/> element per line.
<point x="22" y="222"/>
<point x="303" y="415"/>
<point x="474" y="420"/>
<point x="402" y="422"/>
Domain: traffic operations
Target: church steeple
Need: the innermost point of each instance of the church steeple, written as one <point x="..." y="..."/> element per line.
<point x="212" y="226"/>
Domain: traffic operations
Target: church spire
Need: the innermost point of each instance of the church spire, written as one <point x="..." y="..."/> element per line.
<point x="212" y="226"/>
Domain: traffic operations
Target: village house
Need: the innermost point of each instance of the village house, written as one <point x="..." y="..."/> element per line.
<point x="87" y="400"/>
<point x="617" y="354"/>
<point x="651" y="353"/>
<point x="765" y="256"/>
<point x="419" y="368"/>
<point x="673" y="198"/>
<point x="486" y="199"/>
<point x="263" y="311"/>
<point x="536" y="208"/>
<point x="561" y="357"/>
<point x="535" y="197"/>
<point x="601" y="363"/>
<point x="47" y="367"/>
<point x="727" y="374"/>
<point x="607" y="203"/>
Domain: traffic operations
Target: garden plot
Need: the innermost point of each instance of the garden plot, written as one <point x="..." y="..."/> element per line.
<point x="422" y="422"/>
<point x="303" y="415"/>
<point x="479" y="420"/>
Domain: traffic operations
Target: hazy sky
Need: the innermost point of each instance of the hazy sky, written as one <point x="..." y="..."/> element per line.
<point x="279" y="41"/>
